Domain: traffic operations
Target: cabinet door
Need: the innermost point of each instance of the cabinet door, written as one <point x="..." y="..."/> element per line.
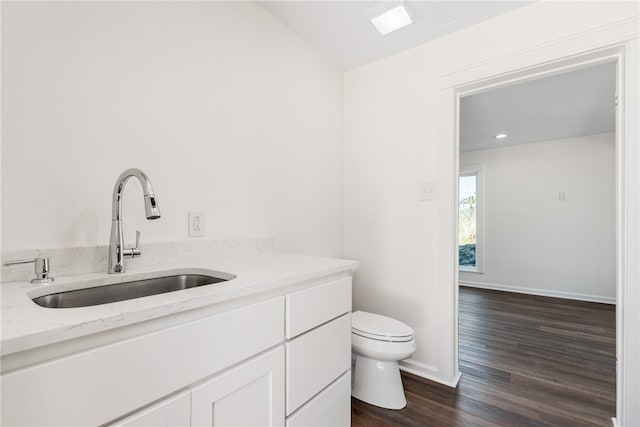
<point x="251" y="394"/>
<point x="172" y="412"/>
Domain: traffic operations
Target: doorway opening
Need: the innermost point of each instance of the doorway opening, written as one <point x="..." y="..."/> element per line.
<point x="537" y="183"/>
<point x="536" y="244"/>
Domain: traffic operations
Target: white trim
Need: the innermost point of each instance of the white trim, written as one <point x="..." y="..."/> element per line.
<point x="610" y="34"/>
<point x="615" y="41"/>
<point x="614" y="422"/>
<point x="447" y="273"/>
<point x="628" y="233"/>
<point x="540" y="292"/>
<point x="427" y="372"/>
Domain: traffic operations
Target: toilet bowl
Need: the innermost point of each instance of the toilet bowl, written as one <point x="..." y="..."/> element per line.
<point x="378" y="343"/>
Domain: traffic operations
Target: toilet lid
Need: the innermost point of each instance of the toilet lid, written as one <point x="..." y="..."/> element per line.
<point x="379" y="327"/>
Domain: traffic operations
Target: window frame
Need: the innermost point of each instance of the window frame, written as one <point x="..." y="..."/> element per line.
<point x="478" y="171"/>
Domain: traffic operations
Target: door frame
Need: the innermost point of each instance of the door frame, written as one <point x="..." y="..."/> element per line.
<point x="614" y="42"/>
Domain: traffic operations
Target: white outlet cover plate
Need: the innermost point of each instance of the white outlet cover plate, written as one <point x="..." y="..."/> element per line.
<point x="196" y="224"/>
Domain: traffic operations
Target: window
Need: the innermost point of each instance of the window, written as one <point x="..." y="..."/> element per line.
<point x="469" y="219"/>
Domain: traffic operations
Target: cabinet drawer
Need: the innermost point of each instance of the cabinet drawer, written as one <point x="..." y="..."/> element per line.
<point x="316" y="359"/>
<point x="332" y="407"/>
<point x="311" y="307"/>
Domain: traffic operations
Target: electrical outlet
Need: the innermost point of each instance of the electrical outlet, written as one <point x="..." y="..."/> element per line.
<point x="196" y="224"/>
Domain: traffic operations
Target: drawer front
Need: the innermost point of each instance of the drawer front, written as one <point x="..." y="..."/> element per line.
<point x="316" y="359"/>
<point x="314" y="306"/>
<point x="332" y="407"/>
<point x="105" y="383"/>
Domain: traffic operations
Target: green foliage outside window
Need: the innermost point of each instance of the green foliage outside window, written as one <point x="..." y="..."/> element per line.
<point x="467" y="231"/>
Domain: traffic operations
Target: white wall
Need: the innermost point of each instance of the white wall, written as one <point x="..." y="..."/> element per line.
<point x="226" y="110"/>
<point x="536" y="243"/>
<point x="391" y="144"/>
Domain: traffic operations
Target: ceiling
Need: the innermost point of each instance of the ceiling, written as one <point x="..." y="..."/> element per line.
<point x="342" y="31"/>
<point x="570" y="104"/>
<point x="565" y="105"/>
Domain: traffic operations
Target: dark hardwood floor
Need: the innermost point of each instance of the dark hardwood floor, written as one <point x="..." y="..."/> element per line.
<point x="525" y="361"/>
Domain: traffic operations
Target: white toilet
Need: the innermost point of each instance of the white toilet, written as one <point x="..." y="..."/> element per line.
<point x="378" y="343"/>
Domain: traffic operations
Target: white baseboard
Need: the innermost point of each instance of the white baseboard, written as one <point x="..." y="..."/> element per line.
<point x="540" y="292"/>
<point x="427" y="372"/>
<point x="614" y="422"/>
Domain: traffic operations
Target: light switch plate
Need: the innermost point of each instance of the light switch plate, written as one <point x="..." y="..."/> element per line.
<point x="427" y="191"/>
<point x="196" y="224"/>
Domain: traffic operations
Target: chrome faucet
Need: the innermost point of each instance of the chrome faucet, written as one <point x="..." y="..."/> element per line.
<point x="117" y="251"/>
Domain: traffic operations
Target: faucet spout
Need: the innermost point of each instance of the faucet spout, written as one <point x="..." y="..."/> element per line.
<point x="117" y="252"/>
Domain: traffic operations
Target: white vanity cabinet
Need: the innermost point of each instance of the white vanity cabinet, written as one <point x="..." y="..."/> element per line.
<point x="103" y="384"/>
<point x="274" y="360"/>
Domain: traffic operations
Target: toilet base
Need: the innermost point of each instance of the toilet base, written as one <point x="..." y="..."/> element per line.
<point x="378" y="383"/>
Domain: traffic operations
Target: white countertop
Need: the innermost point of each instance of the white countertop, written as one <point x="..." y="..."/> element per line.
<point x="26" y="325"/>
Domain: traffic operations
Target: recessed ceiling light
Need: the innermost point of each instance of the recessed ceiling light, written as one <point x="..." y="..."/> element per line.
<point x="389" y="16"/>
<point x="500" y="136"/>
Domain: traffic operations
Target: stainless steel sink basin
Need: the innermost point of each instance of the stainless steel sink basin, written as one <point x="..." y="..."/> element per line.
<point x="127" y="290"/>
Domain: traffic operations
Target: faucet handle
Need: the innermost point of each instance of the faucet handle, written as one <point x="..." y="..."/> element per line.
<point x="41" y="269"/>
<point x="135" y="251"/>
<point x="137" y="239"/>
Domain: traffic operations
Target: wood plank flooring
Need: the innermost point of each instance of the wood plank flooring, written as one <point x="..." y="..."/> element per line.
<point x="525" y="361"/>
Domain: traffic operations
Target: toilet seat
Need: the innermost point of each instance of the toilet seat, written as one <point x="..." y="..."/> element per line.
<point x="380" y="328"/>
